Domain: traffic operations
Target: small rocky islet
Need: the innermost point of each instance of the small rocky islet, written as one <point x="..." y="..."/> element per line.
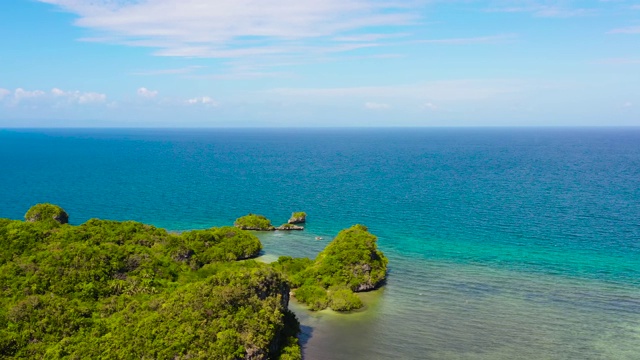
<point x="126" y="289"/>
<point x="261" y="223"/>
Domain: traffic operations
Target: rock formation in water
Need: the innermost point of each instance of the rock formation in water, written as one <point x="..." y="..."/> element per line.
<point x="254" y="222"/>
<point x="299" y="217"/>
<point x="288" y="226"/>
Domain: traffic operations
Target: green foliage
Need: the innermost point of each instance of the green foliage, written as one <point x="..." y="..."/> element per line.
<point x="343" y="299"/>
<point x="218" y="244"/>
<point x="290" y="346"/>
<point x="351" y="262"/>
<point x="299" y="214"/>
<point x="253" y="222"/>
<point x="48" y="213"/>
<point x="351" y="259"/>
<point x="291" y="267"/>
<point x="16" y="237"/>
<point x="314" y="296"/>
<point x="108" y="289"/>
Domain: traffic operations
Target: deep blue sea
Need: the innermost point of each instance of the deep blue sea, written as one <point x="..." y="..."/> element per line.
<point x="503" y="243"/>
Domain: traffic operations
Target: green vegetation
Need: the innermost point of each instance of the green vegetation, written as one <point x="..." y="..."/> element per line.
<point x="47" y="213"/>
<point x="350" y="263"/>
<point x="217" y="244"/>
<point x="298" y="217"/>
<point x="288" y="226"/>
<point x="108" y="289"/>
<point x="313" y="295"/>
<point x="254" y="222"/>
<point x="343" y="299"/>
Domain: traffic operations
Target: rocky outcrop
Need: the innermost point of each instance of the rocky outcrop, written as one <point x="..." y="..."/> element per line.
<point x="287" y="227"/>
<point x="355" y="259"/>
<point x="298" y="218"/>
<point x="254" y="228"/>
<point x="367" y="283"/>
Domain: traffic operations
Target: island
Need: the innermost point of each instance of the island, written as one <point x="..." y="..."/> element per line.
<point x="261" y="223"/>
<point x="254" y="222"/>
<point x="123" y="289"/>
<point x="350" y="263"/>
<point x="299" y="217"/>
<point x="287" y="226"/>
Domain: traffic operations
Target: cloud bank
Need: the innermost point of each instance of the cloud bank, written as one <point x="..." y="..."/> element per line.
<point x="232" y="28"/>
<point x="54" y="97"/>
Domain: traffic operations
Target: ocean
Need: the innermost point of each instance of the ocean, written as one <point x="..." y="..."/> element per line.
<point x="504" y="243"/>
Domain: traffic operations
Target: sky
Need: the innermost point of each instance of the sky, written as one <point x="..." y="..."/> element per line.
<point x="319" y="63"/>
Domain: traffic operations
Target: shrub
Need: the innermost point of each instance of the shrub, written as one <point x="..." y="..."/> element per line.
<point x="314" y="296"/>
<point x="343" y="299"/>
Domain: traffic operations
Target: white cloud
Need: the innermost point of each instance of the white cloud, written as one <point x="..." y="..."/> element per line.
<point x="203" y="100"/>
<point x="626" y="30"/>
<point x="21" y="94"/>
<point x="146" y="93"/>
<point x="178" y="71"/>
<point x="628" y="104"/>
<point x="79" y="97"/>
<point x="470" y="40"/>
<point x="619" y="61"/>
<point x="54" y="97"/>
<point x="429" y="106"/>
<point x="436" y="91"/>
<point x="232" y="28"/>
<point x="57" y="92"/>
<point x="539" y="9"/>
<point x="87" y="98"/>
<point x="376" y="106"/>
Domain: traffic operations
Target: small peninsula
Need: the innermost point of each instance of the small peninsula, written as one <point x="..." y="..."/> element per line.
<point x="350" y="263"/>
<point x="123" y="289"/>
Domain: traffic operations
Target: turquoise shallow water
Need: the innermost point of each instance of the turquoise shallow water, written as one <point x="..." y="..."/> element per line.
<point x="504" y="243"/>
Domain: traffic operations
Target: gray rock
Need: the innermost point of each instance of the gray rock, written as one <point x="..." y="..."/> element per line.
<point x="288" y="227"/>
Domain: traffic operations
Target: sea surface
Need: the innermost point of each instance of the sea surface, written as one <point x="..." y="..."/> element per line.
<point x="503" y="243"/>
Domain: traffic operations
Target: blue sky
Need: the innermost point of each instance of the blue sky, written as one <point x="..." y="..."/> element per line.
<point x="237" y="63"/>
